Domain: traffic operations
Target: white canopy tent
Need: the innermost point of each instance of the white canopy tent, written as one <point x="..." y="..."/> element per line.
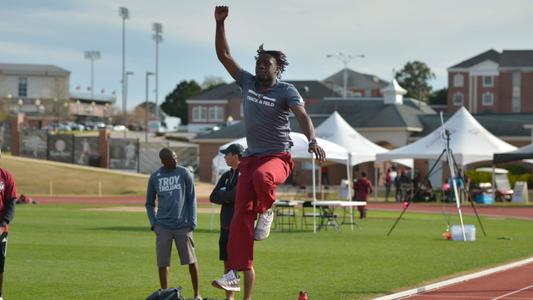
<point x="298" y="151"/>
<point x="360" y="150"/>
<point x="335" y="129"/>
<point x="469" y="141"/>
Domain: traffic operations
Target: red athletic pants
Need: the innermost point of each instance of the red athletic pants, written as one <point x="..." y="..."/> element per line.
<point x="256" y="186"/>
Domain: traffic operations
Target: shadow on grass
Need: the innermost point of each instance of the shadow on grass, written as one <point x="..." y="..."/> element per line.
<point x="142" y="229"/>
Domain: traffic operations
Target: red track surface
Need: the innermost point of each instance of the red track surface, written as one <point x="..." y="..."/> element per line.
<point x="516" y="283"/>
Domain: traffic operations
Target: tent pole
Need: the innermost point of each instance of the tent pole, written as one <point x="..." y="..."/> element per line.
<point x="350" y="183"/>
<point x="314" y="194"/>
<point x="493" y="183"/>
<point x="376" y="178"/>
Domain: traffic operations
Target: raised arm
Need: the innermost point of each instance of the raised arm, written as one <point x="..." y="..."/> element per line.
<point x="309" y="130"/>
<point x="221" y="44"/>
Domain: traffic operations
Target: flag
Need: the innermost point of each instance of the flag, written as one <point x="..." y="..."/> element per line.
<point x="89" y="88"/>
<point x="103" y="90"/>
<point x="114" y="93"/>
<point x="78" y="88"/>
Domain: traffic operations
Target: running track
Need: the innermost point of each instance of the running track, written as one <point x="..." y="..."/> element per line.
<point x="515" y="283"/>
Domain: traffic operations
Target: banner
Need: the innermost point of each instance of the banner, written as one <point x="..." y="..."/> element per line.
<point x="34" y="143"/>
<point x="61" y="147"/>
<point x="124" y="154"/>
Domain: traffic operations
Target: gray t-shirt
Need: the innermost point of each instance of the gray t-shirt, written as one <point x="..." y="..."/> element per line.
<point x="266" y="114"/>
<point x="176" y="199"/>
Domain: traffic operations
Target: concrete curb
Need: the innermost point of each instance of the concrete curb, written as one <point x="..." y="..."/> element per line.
<point x="426" y="288"/>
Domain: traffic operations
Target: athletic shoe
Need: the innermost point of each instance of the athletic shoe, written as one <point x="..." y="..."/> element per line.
<point x="229" y="282"/>
<point x="264" y="222"/>
<point x="197" y="298"/>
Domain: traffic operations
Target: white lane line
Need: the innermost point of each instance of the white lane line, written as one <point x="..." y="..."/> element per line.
<point x="514" y="292"/>
<point x="441" y="284"/>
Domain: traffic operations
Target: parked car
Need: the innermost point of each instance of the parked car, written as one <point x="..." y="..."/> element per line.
<point x="119" y="128"/>
<point x="74" y="126"/>
<point x="57" y="127"/>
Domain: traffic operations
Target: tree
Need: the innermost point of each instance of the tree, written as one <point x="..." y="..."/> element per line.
<point x="439" y="97"/>
<point x="174" y="104"/>
<point x="211" y="82"/>
<point x="414" y="78"/>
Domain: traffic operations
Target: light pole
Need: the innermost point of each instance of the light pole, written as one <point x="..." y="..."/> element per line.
<point x="125" y="111"/>
<point x="345" y="59"/>
<point x="158" y="38"/>
<point x="92" y="55"/>
<point x="124" y="13"/>
<point x="148" y="74"/>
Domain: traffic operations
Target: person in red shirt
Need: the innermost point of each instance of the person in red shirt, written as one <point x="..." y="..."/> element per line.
<point x="8" y="197"/>
<point x="362" y="187"/>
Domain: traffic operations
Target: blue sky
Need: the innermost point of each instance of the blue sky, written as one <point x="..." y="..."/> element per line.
<point x="389" y="33"/>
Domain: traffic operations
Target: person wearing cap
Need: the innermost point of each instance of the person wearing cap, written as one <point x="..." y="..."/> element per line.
<point x="224" y="194"/>
<point x="8" y="197"/>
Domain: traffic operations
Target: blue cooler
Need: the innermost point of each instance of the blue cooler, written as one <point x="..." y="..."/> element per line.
<point x="484" y="198"/>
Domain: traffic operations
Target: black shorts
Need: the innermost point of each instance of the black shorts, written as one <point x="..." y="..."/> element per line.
<point x="3" y="250"/>
<point x="223" y="244"/>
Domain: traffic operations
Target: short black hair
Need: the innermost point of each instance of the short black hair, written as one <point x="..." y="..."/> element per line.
<point x="165" y="152"/>
<point x="363" y="174"/>
<point x="280" y="57"/>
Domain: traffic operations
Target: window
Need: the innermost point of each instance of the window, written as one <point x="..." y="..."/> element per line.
<point x="516" y="78"/>
<point x="216" y="114"/>
<point x="515" y="100"/>
<point x="23" y="87"/>
<point x="488" y="99"/>
<point x="199" y="113"/>
<point x="488" y="81"/>
<point x="458" y="99"/>
<point x="516" y="91"/>
<point x="458" y="80"/>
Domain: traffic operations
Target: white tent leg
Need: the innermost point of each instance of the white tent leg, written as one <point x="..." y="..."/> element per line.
<point x="314" y="193"/>
<point x="350" y="184"/>
<point x="376" y="178"/>
<point x="493" y="183"/>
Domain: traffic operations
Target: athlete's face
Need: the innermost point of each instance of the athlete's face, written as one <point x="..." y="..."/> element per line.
<point x="266" y="67"/>
<point x="232" y="160"/>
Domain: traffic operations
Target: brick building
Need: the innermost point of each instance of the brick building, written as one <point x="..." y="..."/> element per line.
<point x="493" y="82"/>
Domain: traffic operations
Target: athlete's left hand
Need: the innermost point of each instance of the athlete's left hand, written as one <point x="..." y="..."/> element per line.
<point x="320" y="154"/>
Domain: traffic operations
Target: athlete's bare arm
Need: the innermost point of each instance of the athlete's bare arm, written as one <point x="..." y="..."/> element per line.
<point x="309" y="130"/>
<point x="221" y="44"/>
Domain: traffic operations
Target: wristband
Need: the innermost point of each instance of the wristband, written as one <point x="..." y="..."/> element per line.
<point x="312" y="142"/>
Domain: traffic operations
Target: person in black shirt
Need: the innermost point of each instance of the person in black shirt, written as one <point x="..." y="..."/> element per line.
<point x="224" y="194"/>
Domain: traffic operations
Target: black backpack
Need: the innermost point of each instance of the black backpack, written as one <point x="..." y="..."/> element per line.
<point x="166" y="294"/>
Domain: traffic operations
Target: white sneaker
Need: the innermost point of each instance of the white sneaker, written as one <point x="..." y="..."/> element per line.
<point x="229" y="282"/>
<point x="264" y="222"/>
<point x="198" y="298"/>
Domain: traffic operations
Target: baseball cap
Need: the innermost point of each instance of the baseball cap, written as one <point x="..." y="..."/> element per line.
<point x="233" y="149"/>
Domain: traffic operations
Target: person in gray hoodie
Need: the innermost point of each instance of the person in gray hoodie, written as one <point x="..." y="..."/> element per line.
<point x="176" y="216"/>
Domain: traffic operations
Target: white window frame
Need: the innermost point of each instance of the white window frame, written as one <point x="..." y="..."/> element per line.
<point x="487" y="99"/>
<point x="458" y="80"/>
<point x="455" y="99"/>
<point x="199" y="113"/>
<point x="488" y="84"/>
<point x="216" y="113"/>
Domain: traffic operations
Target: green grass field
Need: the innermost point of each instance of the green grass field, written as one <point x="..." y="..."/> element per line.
<point x="66" y="252"/>
<point x="33" y="177"/>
